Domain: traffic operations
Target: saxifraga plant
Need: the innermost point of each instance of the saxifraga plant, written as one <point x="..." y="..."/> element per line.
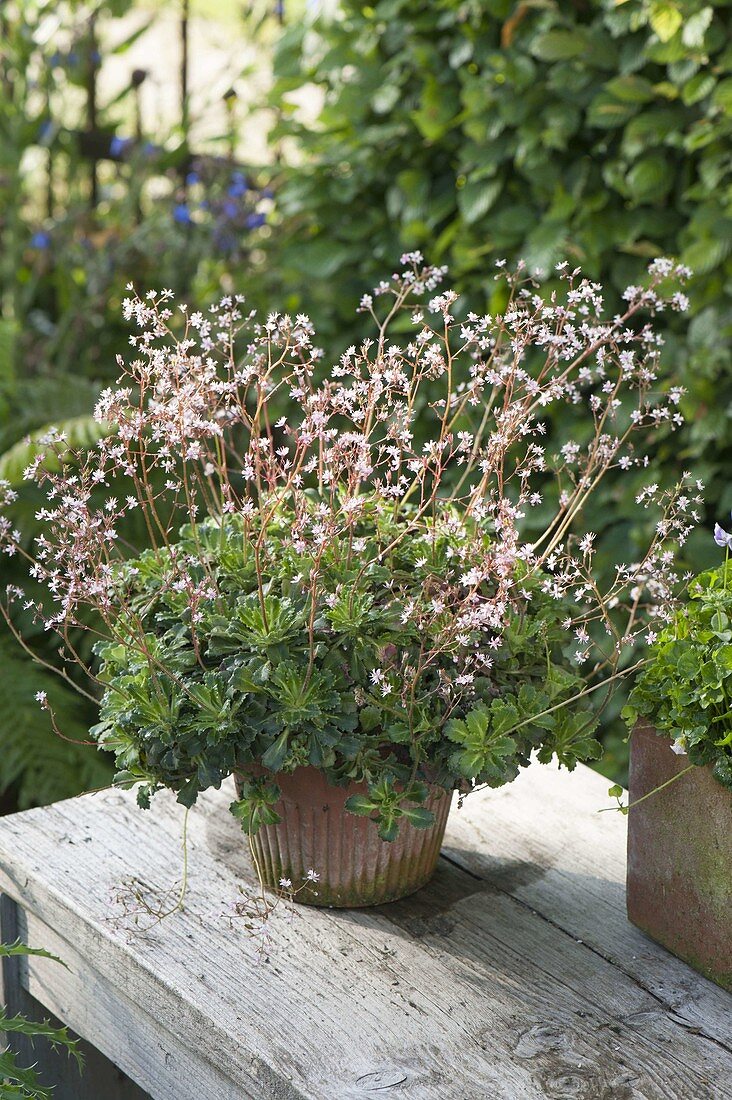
<point x="321" y="588"/>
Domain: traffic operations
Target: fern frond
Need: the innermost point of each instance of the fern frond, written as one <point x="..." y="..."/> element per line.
<point x="30" y="402"/>
<point x="16" y="1080"/>
<point x="56" y="1037"/>
<point x="81" y="433"/>
<point x="8" y="950"/>
<point x="42" y="767"/>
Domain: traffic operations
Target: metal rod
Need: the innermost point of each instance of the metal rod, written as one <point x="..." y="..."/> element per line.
<point x="185" y="13"/>
<point x="92" y="69"/>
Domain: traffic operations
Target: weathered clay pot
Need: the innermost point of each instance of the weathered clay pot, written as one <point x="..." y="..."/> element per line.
<point x="680" y="857"/>
<point x="354" y="865"/>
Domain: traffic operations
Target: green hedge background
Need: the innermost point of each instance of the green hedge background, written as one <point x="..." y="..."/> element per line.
<point x="596" y="132"/>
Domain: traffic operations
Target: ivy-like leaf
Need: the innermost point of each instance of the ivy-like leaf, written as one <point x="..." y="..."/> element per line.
<point x="722" y="771"/>
<point x="571" y="740"/>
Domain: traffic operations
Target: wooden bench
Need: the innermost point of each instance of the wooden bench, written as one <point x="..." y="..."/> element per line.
<point x="514" y="974"/>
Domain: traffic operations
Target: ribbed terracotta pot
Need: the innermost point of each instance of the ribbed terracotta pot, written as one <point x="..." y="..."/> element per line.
<point x="680" y="856"/>
<point x="355" y="867"/>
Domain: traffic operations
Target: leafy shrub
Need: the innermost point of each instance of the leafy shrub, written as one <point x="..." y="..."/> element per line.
<point x="481" y="130"/>
<point x="252" y="696"/>
<point x="685" y="691"/>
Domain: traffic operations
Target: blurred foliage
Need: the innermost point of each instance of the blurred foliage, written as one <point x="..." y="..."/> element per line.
<point x="37" y="764"/>
<point x="93" y="200"/>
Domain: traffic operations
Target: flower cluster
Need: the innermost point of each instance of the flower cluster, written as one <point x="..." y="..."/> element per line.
<point x="224" y="202"/>
<point x="381" y="568"/>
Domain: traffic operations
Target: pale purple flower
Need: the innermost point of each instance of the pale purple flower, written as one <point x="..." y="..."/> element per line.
<point x="722" y="537"/>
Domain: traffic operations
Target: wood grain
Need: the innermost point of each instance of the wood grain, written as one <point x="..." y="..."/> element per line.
<point x="557" y="850"/>
<point x="514" y="974"/>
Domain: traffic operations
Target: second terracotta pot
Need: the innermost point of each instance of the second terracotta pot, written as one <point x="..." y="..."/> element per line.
<point x="679" y="856"/>
<point x="355" y="867"/>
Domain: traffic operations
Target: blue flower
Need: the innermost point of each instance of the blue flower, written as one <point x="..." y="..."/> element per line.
<point x="254" y="221"/>
<point x="230" y="209"/>
<point x="46" y="132"/>
<point x="722" y="537"/>
<point x="181" y="213"/>
<point x="192" y="179"/>
<point x="224" y="242"/>
<point x="239" y="186"/>
<point x="40" y="240"/>
<point x="118" y="146"/>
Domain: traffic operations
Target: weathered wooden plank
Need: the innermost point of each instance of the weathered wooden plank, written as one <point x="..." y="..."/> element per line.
<point x="318" y="1021"/>
<point x="544" y="841"/>
<point x="133" y="1036"/>
<point x="572" y="1004"/>
<point x="460" y="992"/>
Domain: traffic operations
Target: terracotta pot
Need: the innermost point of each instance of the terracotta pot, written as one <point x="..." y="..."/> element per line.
<point x="680" y="857"/>
<point x="355" y="866"/>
